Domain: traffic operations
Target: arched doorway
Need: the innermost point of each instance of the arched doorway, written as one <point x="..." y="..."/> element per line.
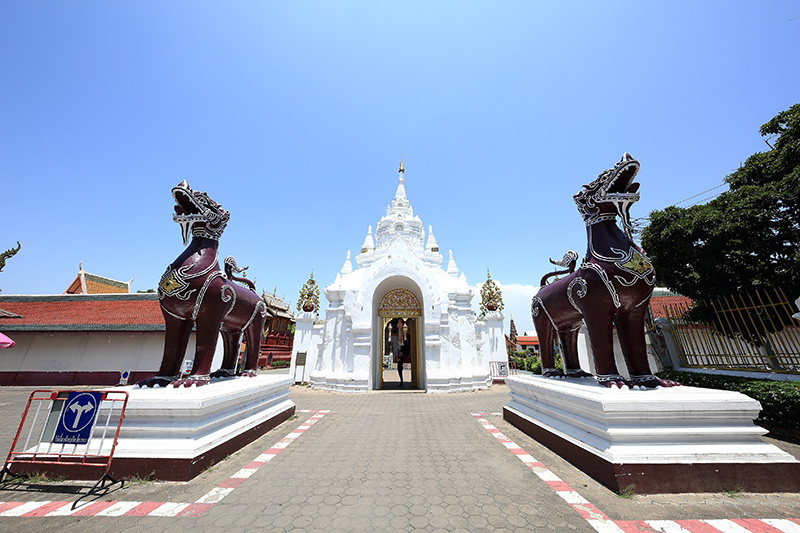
<point x="400" y="317"/>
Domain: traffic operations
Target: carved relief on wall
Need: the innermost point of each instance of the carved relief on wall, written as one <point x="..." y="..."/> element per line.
<point x="399" y="302"/>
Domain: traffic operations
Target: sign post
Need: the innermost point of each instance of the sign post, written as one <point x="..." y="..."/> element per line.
<point x="77" y="418"/>
<point x="300" y="361"/>
<point x="68" y="432"/>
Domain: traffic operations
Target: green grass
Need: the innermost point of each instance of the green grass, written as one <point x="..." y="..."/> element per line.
<point x="136" y="480"/>
<point x="628" y="492"/>
<point x="35" y="479"/>
<point x="734" y="493"/>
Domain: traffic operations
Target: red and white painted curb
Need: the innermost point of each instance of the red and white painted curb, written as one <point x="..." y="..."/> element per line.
<point x="600" y="522"/>
<point x="169" y="509"/>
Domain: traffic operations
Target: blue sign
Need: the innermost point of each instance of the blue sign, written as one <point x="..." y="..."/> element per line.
<point x="77" y="418"/>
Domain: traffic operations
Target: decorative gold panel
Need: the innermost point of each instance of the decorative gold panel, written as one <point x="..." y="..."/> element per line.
<point x="399" y="302"/>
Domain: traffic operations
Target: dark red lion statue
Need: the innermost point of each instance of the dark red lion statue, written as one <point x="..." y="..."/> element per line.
<point x="611" y="288"/>
<point x="195" y="292"/>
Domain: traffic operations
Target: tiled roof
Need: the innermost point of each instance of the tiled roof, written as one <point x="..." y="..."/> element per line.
<point x="107" y="312"/>
<point x="8" y="314"/>
<point x="275" y="301"/>
<point x="100" y="285"/>
<point x="658" y="304"/>
<point x="527" y="340"/>
<point x="85" y="283"/>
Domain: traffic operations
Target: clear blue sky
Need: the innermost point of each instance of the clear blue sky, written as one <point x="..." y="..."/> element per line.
<point x="293" y="116"/>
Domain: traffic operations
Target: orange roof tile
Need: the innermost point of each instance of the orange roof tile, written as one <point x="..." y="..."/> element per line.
<point x="659" y="303"/>
<point x="527" y="340"/>
<point x="129" y="312"/>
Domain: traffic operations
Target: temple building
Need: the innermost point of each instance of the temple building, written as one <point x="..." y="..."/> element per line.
<point x="85" y="283"/>
<point x="398" y="300"/>
<point x="276" y="345"/>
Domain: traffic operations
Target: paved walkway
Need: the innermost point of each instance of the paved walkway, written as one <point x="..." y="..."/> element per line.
<point x="383" y="461"/>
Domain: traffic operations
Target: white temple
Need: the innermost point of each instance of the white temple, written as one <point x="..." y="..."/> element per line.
<point x="398" y="276"/>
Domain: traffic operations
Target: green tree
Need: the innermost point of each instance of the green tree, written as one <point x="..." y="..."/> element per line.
<point x="744" y="239"/>
<point x="491" y="296"/>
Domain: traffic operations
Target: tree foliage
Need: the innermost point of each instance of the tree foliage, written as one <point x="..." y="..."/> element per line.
<point x="744" y="239"/>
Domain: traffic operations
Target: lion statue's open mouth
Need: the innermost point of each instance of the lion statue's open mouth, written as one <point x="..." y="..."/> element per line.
<point x="197" y="214"/>
<point x="615" y="188"/>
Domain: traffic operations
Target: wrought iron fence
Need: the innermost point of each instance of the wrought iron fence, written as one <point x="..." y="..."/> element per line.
<point x="753" y="332"/>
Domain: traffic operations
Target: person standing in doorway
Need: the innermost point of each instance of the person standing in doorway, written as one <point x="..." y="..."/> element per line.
<point x="396" y="337"/>
<point x="403" y="358"/>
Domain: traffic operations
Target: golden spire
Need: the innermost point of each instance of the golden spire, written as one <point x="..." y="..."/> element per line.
<point x="402" y="170"/>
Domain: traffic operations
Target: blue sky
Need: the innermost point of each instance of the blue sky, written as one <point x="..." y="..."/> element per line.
<point x="293" y="116"/>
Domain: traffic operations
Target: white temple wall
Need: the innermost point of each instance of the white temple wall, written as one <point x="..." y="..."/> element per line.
<point x="94" y="351"/>
<point x="484" y="343"/>
<point x="327" y="361"/>
<point x="493" y="347"/>
<point x="448" y="353"/>
<point x="303" y="342"/>
<point x="94" y="357"/>
<point x="361" y="347"/>
<point x="464" y="338"/>
<point x="431" y="335"/>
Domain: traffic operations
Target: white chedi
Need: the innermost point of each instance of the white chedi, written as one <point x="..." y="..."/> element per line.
<point x="399" y="275"/>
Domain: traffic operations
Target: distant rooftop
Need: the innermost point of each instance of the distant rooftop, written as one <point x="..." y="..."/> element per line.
<point x="276" y="306"/>
<point x="527" y="340"/>
<point x="82" y="312"/>
<point x="663" y="291"/>
<point x="663" y="298"/>
<point x="8" y="314"/>
<point x="86" y="283"/>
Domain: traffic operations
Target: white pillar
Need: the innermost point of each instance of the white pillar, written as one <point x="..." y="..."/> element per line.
<point x="303" y="334"/>
<point x="495" y="340"/>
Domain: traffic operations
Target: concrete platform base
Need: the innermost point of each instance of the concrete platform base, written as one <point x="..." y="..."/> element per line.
<point x="477" y="380"/>
<point x="682" y="439"/>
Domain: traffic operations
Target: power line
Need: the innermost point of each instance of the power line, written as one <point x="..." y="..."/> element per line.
<point x="700" y="194"/>
<point x="645" y="220"/>
<point x="706" y="199"/>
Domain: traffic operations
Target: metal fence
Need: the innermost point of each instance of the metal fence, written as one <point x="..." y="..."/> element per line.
<point x="67" y="429"/>
<point x="753" y="332"/>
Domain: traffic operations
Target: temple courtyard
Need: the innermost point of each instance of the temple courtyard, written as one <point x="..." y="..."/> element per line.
<point x="394" y="460"/>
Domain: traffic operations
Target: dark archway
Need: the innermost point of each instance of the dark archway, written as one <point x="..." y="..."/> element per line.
<point x="399" y="321"/>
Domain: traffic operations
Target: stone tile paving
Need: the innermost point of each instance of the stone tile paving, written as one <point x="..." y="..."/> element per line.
<point x="390" y="461"/>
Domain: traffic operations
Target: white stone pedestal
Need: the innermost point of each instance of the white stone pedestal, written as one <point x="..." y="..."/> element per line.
<point x="304" y="343"/>
<point x="679" y="439"/>
<point x="174" y="434"/>
<point x="493" y="347"/>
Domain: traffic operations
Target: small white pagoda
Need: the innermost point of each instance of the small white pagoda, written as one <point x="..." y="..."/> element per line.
<point x="398" y="276"/>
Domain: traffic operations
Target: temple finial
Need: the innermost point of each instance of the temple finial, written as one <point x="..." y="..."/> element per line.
<point x="402" y="169"/>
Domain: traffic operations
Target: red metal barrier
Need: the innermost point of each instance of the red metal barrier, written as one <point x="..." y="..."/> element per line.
<point x="512" y="367"/>
<point x="68" y="432"/>
<point x="499" y="370"/>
